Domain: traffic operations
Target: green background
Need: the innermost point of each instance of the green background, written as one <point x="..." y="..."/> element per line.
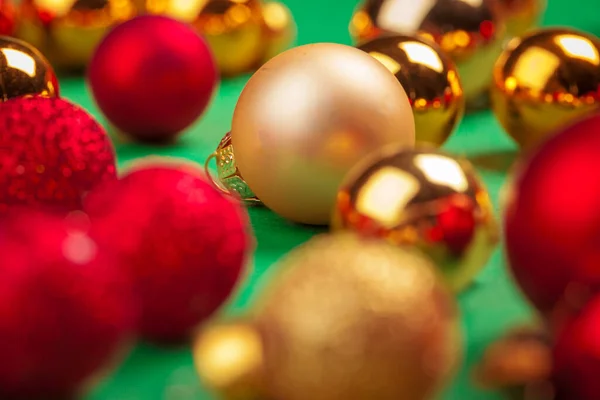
<point x="488" y="307"/>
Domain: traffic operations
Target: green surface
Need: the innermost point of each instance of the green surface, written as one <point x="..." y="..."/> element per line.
<point x="488" y="307"/>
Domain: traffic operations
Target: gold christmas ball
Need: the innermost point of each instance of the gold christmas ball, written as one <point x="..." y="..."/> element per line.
<point x="68" y="31"/>
<point x="24" y="71"/>
<point x="471" y="32"/>
<point x="545" y="81"/>
<point x="279" y="29"/>
<point x="430" y="79"/>
<point x="306" y="117"/>
<point x="522" y="15"/>
<point x="423" y="198"/>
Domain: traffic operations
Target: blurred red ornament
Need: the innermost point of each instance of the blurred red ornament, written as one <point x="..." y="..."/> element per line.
<point x="7" y="17"/>
<point x="577" y="356"/>
<point x="553" y="220"/>
<point x="65" y="311"/>
<point x="152" y="77"/>
<point x="51" y="153"/>
<point x="185" y="242"/>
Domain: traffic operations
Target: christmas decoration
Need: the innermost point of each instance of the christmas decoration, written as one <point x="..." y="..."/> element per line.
<point x="229" y="178"/>
<point x="24" y="71"/>
<point x="552" y="220"/>
<point x="471" y="32"/>
<point x="65" y="310"/>
<point x="306" y="117"/>
<point x="430" y="80"/>
<point x="7" y="17"/>
<point x="170" y="92"/>
<point x="51" y="154"/>
<point x="184" y="242"/>
<point x="69" y="31"/>
<point x="532" y="102"/>
<point x="522" y="15"/>
<point x="279" y="28"/>
<point x="344" y="318"/>
<point x="424" y="198"/>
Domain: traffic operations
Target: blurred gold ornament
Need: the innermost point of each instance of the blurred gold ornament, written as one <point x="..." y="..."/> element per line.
<point x="306" y="117"/>
<point x="229" y="179"/>
<point x="279" y="29"/>
<point x="471" y="32"/>
<point x="545" y="81"/>
<point x="430" y="80"/>
<point x="24" y="71"/>
<point x="423" y="198"/>
<point x="68" y="31"/>
<point x="344" y="318"/>
<point x="522" y="15"/>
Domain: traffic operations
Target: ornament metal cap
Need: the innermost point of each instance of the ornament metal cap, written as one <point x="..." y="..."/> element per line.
<point x="229" y="180"/>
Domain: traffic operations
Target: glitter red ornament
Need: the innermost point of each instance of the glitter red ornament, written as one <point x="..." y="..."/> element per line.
<point x="152" y="77"/>
<point x="51" y="153"/>
<point x="552" y="219"/>
<point x="185" y="243"/>
<point x="66" y="312"/>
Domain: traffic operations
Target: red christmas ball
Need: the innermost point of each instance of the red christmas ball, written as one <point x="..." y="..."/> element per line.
<point x="577" y="356"/>
<point x="7" y="17"/>
<point x="184" y="242"/>
<point x="552" y="219"/>
<point x="66" y="311"/>
<point x="51" y="153"/>
<point x="152" y="77"/>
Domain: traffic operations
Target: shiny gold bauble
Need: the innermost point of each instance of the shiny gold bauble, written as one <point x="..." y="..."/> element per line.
<point x="279" y="29"/>
<point x="545" y="81"/>
<point x="471" y="32"/>
<point x="430" y="79"/>
<point x="24" y="71"/>
<point x="522" y="15"/>
<point x="229" y="179"/>
<point x="306" y="117"/>
<point x="424" y="198"/>
<point x="68" y="31"/>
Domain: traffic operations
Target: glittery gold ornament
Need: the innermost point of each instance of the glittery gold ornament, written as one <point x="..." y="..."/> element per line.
<point x="68" y="31"/>
<point x="279" y="28"/>
<point x="423" y="198"/>
<point x="24" y="71"/>
<point x="471" y="32"/>
<point x="545" y="81"/>
<point x="306" y="117"/>
<point x="522" y="15"/>
<point x="430" y="80"/>
<point x="343" y="318"/>
<point x="229" y="179"/>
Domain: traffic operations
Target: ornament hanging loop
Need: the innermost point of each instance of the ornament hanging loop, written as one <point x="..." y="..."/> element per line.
<point x="211" y="179"/>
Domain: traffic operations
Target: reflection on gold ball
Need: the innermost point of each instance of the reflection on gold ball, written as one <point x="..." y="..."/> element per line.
<point x="430" y="80"/>
<point x="69" y="31"/>
<point x="306" y="117"/>
<point x="423" y="198"/>
<point x="471" y="32"/>
<point x="522" y="15"/>
<point x="544" y="81"/>
<point x="279" y="29"/>
<point x="24" y="71"/>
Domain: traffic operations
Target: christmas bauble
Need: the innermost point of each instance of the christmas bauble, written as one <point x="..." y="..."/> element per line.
<point x="172" y="89"/>
<point x="471" y="32"/>
<point x="424" y="198"/>
<point x="522" y="15"/>
<point x="51" y="154"/>
<point x="279" y="28"/>
<point x="65" y="310"/>
<point x="430" y="80"/>
<point x="69" y="31"/>
<point x="24" y="71"/>
<point x="531" y="102"/>
<point x="186" y="243"/>
<point x="7" y="17"/>
<point x="552" y="219"/>
<point x="306" y="117"/>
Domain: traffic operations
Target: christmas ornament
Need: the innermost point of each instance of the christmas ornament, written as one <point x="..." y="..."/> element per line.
<point x="471" y="32"/>
<point x="186" y="244"/>
<point x="423" y="198"/>
<point x="24" y="71"/>
<point x="51" y="154"/>
<point x="430" y="80"/>
<point x="229" y="179"/>
<point x="69" y="31"/>
<point x="522" y="15"/>
<point x="532" y="102"/>
<point x="175" y="86"/>
<point x="65" y="310"/>
<point x="279" y="28"/>
<point x="306" y="117"/>
<point x="552" y="220"/>
<point x="7" y="17"/>
<point x="344" y="318"/>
